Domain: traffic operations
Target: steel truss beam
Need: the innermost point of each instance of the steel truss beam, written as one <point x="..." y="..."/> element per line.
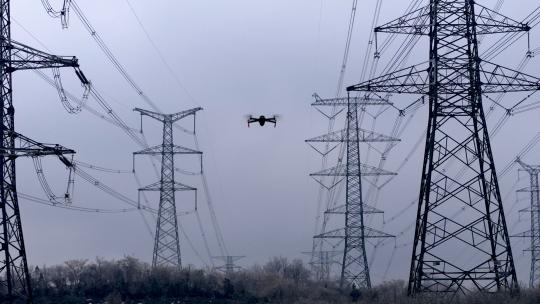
<point x="360" y="170"/>
<point x="342" y="209"/>
<point x="363" y="136"/>
<point x="487" y="21"/>
<point x="344" y="101"/>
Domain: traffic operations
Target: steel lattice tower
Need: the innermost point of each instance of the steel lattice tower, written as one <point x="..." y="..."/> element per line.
<point x="354" y="267"/>
<point x="322" y="261"/>
<point x="534" y="210"/>
<point x="166" y="241"/>
<point x="230" y="263"/>
<point x="14" y="275"/>
<point x="455" y="80"/>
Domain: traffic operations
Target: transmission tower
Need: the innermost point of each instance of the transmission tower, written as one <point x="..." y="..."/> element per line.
<point x="322" y="261"/>
<point x="14" y="56"/>
<point x="230" y="263"/>
<point x="166" y="242"/>
<point x="534" y="233"/>
<point x="354" y="266"/>
<point x="469" y="250"/>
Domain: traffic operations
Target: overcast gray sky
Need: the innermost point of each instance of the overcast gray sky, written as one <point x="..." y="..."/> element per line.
<point x="233" y="58"/>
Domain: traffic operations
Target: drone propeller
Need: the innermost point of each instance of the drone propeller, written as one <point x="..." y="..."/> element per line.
<point x="247" y="118"/>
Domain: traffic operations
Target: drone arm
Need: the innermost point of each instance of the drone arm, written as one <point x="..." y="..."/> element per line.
<point x="273" y="120"/>
<point x="251" y="120"/>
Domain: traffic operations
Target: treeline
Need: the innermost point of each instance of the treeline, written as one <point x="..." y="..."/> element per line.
<point x="278" y="281"/>
<point x="130" y="281"/>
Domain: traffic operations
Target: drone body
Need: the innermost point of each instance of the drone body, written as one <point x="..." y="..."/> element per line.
<point x="262" y="120"/>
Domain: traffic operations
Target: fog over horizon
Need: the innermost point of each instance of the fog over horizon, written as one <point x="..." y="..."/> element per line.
<point x="232" y="58"/>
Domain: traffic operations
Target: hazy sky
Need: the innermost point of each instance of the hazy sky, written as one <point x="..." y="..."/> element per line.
<point x="233" y="58"/>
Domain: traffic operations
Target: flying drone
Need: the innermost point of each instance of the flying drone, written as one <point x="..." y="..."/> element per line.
<point x="262" y="120"/>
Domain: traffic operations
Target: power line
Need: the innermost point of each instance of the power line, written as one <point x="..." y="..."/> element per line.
<point x="102" y="169"/>
<point x="110" y="55"/>
<point x="74" y="207"/>
<point x="169" y="68"/>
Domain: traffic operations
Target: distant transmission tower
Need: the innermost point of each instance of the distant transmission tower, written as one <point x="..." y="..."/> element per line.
<point x="354" y="267"/>
<point x="469" y="250"/>
<point x="166" y="241"/>
<point x="534" y="233"/>
<point x="322" y="261"/>
<point x="230" y="263"/>
<point x="14" y="276"/>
